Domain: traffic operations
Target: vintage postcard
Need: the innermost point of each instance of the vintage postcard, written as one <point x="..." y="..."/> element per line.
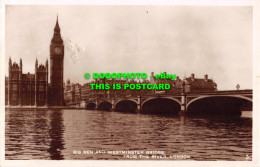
<point x="129" y="84"/>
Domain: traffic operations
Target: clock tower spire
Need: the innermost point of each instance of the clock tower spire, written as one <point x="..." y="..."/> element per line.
<point x="56" y="67"/>
<point x="56" y="36"/>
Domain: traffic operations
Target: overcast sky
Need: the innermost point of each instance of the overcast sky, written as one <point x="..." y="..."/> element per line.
<point x="175" y="39"/>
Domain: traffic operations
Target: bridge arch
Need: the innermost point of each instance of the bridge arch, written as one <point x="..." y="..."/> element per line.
<point x="217" y="104"/>
<point x="91" y="106"/>
<point x="151" y="98"/>
<point x="125" y="100"/>
<point x="105" y="106"/>
<point x="161" y="105"/>
<point x="126" y="105"/>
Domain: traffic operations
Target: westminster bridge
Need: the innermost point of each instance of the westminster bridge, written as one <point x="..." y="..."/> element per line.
<point x="220" y="102"/>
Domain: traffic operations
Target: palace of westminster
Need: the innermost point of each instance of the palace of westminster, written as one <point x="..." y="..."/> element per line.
<point x="33" y="89"/>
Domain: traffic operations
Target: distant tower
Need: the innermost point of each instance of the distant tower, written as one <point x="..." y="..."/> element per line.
<point x="56" y="67"/>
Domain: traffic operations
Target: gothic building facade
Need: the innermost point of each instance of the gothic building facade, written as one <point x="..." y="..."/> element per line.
<point x="27" y="89"/>
<point x="33" y="89"/>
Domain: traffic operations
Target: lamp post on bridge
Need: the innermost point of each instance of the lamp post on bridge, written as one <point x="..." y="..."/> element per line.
<point x="183" y="100"/>
<point x="139" y="97"/>
<point x="238" y="86"/>
<point x="113" y="98"/>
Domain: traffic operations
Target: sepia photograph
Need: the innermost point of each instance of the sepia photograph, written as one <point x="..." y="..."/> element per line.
<point x="140" y="83"/>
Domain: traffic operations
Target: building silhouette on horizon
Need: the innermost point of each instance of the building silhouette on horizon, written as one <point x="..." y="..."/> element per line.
<point x="35" y="90"/>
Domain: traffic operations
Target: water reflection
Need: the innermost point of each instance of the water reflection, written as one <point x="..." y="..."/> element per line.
<point x="55" y="134"/>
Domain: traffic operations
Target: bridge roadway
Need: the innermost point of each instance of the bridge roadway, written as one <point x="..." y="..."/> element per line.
<point x="227" y="102"/>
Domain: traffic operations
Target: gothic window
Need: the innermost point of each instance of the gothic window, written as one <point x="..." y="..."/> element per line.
<point x="24" y="87"/>
<point x="14" y="96"/>
<point x="14" y="87"/>
<point x="41" y="78"/>
<point x="15" y="77"/>
<point x="41" y="96"/>
<point x="41" y="88"/>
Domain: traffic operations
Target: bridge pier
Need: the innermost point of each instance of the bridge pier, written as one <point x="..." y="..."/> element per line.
<point x="113" y="105"/>
<point x="96" y="106"/>
<point x="139" y="106"/>
<point x="138" y="110"/>
<point x="183" y="110"/>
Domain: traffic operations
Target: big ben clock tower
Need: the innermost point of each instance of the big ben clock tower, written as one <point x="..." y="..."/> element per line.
<point x="56" y="68"/>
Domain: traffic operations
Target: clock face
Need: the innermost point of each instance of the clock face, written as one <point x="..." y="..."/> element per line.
<point x="57" y="51"/>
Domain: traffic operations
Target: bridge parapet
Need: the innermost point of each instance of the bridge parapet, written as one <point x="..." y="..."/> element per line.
<point x="224" y="92"/>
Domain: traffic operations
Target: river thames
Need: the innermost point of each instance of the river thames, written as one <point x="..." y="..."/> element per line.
<point x="91" y="135"/>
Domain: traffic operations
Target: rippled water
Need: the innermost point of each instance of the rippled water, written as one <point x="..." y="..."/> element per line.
<point x="56" y="134"/>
